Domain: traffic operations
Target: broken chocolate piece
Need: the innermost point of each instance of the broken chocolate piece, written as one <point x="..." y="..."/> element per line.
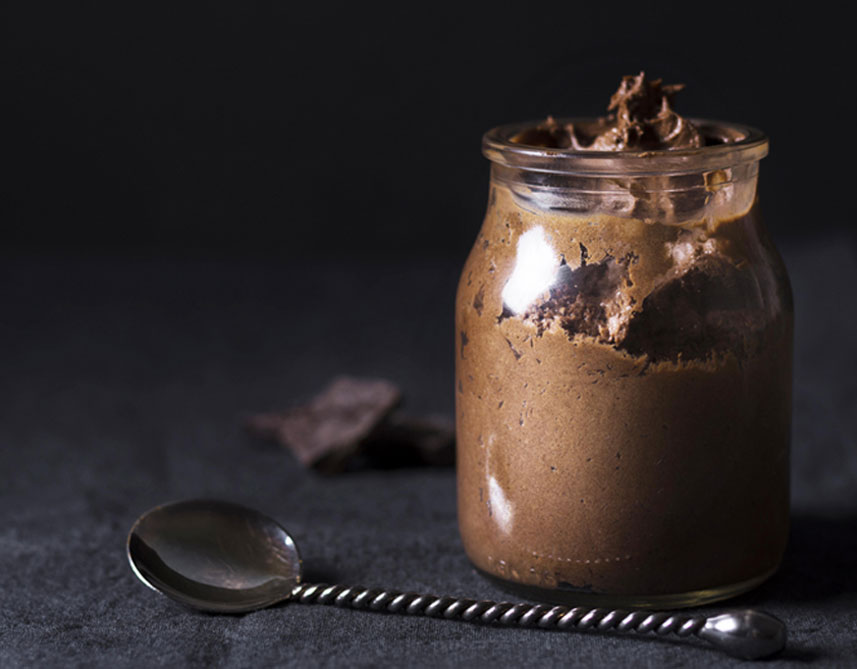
<point x="326" y="432"/>
<point x="350" y="425"/>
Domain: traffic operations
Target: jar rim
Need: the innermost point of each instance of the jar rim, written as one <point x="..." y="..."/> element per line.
<point x="738" y="144"/>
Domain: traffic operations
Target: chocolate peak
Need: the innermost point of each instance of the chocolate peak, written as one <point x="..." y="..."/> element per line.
<point x="640" y="118"/>
<point x="638" y="99"/>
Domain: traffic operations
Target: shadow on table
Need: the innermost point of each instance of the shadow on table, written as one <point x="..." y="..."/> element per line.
<point x="818" y="570"/>
<point x="316" y="569"/>
<point x="819" y="561"/>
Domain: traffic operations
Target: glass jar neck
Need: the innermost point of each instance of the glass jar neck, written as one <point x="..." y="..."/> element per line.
<point x="666" y="198"/>
<point x="669" y="186"/>
<point x="728" y="145"/>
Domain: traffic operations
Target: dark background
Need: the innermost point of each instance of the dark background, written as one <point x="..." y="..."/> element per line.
<point x="346" y="129"/>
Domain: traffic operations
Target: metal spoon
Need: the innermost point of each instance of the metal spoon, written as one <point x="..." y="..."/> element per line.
<point x="221" y="557"/>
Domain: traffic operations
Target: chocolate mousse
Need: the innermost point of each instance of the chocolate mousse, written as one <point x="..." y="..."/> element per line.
<point x="624" y="371"/>
<point x="640" y="118"/>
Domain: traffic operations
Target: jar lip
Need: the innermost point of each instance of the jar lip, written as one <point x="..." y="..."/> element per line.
<point x="739" y="144"/>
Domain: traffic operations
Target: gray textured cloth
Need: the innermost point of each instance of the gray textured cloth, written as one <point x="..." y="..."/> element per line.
<point x="124" y="384"/>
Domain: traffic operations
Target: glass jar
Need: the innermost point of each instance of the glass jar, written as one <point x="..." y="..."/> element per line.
<point x="623" y="375"/>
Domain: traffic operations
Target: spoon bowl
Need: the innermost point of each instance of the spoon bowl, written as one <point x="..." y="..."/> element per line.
<point x="214" y="556"/>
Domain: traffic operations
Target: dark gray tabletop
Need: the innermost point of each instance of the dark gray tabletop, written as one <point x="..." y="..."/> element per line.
<point x="124" y="383"/>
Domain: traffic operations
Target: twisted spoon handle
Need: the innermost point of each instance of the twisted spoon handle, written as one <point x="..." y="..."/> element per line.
<point x="746" y="634"/>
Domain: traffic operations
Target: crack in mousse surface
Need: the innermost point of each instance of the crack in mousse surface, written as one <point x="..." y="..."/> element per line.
<point x="623" y="365"/>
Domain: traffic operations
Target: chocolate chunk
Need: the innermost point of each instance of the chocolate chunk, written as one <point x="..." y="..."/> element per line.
<point x="326" y="432"/>
<point x="351" y="425"/>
